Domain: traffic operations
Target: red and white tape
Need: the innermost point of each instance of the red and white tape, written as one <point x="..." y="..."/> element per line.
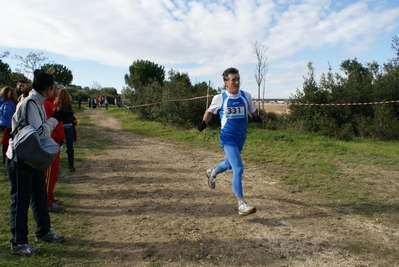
<point x="277" y="102"/>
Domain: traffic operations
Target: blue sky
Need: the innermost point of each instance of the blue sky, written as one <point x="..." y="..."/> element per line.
<point x="99" y="39"/>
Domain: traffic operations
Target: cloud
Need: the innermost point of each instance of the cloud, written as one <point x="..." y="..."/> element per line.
<point x="200" y="37"/>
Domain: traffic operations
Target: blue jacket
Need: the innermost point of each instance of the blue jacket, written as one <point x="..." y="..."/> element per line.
<point x="7" y="110"/>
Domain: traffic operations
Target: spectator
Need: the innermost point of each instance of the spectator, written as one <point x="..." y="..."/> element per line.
<point x="28" y="185"/>
<point x="25" y="92"/>
<point x="106" y="103"/>
<point x="79" y="101"/>
<point x="51" y="173"/>
<point x="63" y="102"/>
<point x="19" y="87"/>
<point x="7" y="109"/>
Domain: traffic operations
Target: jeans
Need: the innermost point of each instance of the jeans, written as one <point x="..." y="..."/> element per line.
<point x="69" y="144"/>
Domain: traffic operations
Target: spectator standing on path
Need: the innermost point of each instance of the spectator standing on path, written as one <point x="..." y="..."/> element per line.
<point x="79" y="101"/>
<point x="89" y="102"/>
<point x="100" y="101"/>
<point x="63" y="102"/>
<point x="94" y="102"/>
<point x="51" y="173"/>
<point x="233" y="106"/>
<point x="106" y="102"/>
<point x="28" y="185"/>
<point x="7" y="110"/>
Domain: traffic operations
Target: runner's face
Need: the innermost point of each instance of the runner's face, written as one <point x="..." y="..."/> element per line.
<point x="233" y="84"/>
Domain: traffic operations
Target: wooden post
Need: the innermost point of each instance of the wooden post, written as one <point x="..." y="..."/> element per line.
<point x="207" y="101"/>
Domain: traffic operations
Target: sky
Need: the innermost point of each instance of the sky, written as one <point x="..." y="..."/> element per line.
<point x="99" y="39"/>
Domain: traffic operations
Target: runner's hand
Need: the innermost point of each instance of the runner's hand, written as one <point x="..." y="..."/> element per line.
<point x="201" y="126"/>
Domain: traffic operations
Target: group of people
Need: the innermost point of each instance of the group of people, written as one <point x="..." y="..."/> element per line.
<point x="49" y="110"/>
<point x="100" y="101"/>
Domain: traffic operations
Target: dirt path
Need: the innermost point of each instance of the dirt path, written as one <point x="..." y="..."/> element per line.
<point x="149" y="205"/>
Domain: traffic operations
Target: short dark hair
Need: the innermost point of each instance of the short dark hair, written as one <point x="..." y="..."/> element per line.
<point x="228" y="71"/>
<point x="42" y="80"/>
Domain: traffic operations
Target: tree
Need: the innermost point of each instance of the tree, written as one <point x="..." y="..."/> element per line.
<point x="109" y="91"/>
<point x="61" y="73"/>
<point x="259" y="50"/>
<point x="32" y="61"/>
<point x="144" y="72"/>
<point x="5" y="72"/>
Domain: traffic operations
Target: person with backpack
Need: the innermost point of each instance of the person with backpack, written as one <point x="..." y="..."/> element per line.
<point x="233" y="107"/>
<point x="27" y="184"/>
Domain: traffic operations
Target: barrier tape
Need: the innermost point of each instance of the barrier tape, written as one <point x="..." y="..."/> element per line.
<point x="277" y="103"/>
<point x="332" y="104"/>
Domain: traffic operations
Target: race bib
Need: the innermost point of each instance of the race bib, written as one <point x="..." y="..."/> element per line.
<point x="235" y="112"/>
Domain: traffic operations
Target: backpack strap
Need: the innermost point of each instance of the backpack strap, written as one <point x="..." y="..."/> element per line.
<point x="22" y="122"/>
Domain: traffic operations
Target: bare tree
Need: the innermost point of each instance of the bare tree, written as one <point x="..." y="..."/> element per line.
<point x="96" y="85"/>
<point x="4" y="54"/>
<point x="395" y="47"/>
<point x="32" y="61"/>
<point x="259" y="50"/>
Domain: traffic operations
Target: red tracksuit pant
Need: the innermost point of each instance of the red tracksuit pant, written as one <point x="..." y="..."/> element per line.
<point x="51" y="175"/>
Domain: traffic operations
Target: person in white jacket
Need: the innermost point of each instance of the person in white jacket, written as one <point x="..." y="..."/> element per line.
<point x="28" y="185"/>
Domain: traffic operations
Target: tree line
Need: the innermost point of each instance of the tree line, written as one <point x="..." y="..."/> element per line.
<point x="62" y="74"/>
<point x="359" y="83"/>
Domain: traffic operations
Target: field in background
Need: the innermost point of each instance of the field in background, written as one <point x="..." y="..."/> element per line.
<point x="276" y="107"/>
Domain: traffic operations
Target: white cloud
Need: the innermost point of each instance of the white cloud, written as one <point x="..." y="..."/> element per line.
<point x="207" y="35"/>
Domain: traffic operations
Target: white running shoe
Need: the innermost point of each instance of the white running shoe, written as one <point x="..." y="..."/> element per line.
<point x="211" y="178"/>
<point x="244" y="209"/>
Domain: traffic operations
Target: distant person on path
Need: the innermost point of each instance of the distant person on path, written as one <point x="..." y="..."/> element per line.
<point x="89" y="102"/>
<point x="79" y="102"/>
<point x="94" y="102"/>
<point x="106" y="103"/>
<point x="233" y="106"/>
<point x="100" y="101"/>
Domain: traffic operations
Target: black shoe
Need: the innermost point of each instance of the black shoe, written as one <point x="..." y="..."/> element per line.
<point x="72" y="169"/>
<point x="56" y="208"/>
<point x="24" y="249"/>
<point x="51" y="237"/>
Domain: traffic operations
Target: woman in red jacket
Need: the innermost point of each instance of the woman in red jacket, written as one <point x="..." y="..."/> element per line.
<point x="52" y="173"/>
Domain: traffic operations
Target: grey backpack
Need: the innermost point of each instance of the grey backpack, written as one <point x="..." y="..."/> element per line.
<point x="29" y="148"/>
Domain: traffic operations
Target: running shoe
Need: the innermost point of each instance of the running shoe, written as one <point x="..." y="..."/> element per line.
<point x="211" y="179"/>
<point x="244" y="209"/>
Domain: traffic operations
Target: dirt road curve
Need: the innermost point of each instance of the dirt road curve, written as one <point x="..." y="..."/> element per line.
<point x="149" y="205"/>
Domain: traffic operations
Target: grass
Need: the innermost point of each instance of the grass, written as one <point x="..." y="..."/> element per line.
<point x="359" y="176"/>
